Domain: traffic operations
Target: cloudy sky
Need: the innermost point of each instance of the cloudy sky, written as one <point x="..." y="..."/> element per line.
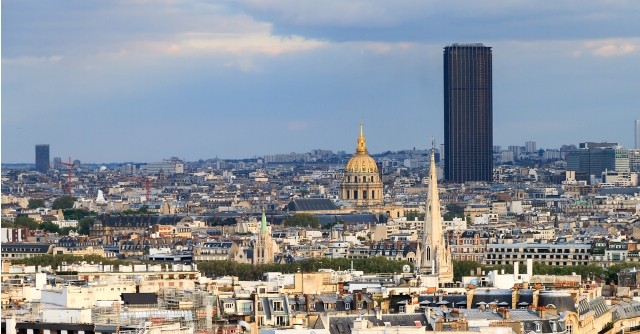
<point x="143" y="80"/>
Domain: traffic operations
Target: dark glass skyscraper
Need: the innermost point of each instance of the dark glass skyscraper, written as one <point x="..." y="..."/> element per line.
<point x="42" y="158"/>
<point x="468" y="113"/>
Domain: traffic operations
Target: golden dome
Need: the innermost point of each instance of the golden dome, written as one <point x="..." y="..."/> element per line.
<point x="361" y="162"/>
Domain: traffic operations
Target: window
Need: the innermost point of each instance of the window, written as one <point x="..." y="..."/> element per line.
<point x="538" y="327"/>
<point x="277" y="306"/>
<point x="347" y="306"/>
<point x="281" y="320"/>
<point x="402" y="309"/>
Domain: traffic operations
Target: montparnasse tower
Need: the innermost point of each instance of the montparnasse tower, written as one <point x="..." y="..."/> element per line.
<point x="436" y="254"/>
<point x="361" y="184"/>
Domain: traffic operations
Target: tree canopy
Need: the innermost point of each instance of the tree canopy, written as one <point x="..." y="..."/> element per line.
<point x="56" y="260"/>
<point x="413" y="214"/>
<point x="24" y="221"/>
<point x="64" y="202"/>
<point x="35" y="203"/>
<point x="84" y="225"/>
<point x="77" y="214"/>
<point x="303" y="220"/>
<point x="244" y="271"/>
<point x="49" y="227"/>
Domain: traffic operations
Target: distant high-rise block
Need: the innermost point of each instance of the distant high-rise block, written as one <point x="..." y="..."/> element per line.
<point x="638" y="134"/>
<point x="592" y="161"/>
<point x="530" y="146"/>
<point x="42" y="158"/>
<point x="57" y="162"/>
<point x="468" y="113"/>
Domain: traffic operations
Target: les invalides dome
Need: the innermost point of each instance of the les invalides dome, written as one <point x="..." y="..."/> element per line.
<point x="361" y="184"/>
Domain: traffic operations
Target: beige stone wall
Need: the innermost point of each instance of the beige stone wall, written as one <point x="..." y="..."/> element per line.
<point x="312" y="283"/>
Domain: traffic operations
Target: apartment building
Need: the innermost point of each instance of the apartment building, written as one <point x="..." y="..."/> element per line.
<point x="549" y="254"/>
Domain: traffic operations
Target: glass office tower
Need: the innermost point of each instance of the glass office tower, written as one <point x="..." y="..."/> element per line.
<point x="468" y="113"/>
<point x="42" y="158"/>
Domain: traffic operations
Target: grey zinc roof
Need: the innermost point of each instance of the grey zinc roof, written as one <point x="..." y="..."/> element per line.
<point x="329" y="299"/>
<point x="311" y="204"/>
<point x="491" y="295"/>
<point x="626" y="310"/>
<point x="561" y="300"/>
<point x="26" y="247"/>
<point x="599" y="306"/>
<point x="344" y="324"/>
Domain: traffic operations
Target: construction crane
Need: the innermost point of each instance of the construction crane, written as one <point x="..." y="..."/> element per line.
<point x="147" y="185"/>
<point x="70" y="165"/>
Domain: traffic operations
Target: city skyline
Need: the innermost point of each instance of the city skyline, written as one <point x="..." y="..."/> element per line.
<point x="143" y="81"/>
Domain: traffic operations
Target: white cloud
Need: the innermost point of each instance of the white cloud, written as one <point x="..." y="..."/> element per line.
<point x="243" y="43"/>
<point x="612" y="48"/>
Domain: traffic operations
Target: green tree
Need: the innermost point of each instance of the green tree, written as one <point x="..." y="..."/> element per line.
<point x="248" y="272"/>
<point x="7" y="224"/>
<point x="330" y="225"/>
<point x="453" y="210"/>
<point x="303" y="220"/>
<point x="77" y="214"/>
<point x="464" y="268"/>
<point x="456" y="209"/>
<point x="35" y="203"/>
<point x="84" y="225"/>
<point x="24" y="221"/>
<point x="64" y="202"/>
<point x="50" y="227"/>
<point x="56" y="260"/>
<point x="413" y="215"/>
<point x="66" y="230"/>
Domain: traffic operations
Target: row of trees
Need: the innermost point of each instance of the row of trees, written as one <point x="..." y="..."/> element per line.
<point x="250" y="272"/>
<point x="241" y="270"/>
<point x="56" y="260"/>
<point x="370" y="265"/>
<point x="60" y="203"/>
<point x="84" y="225"/>
<point x="303" y="220"/>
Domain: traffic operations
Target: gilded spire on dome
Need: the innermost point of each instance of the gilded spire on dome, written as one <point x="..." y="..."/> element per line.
<point x="362" y="143"/>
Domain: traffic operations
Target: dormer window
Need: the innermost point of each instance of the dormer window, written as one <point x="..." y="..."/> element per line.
<point x="538" y="327"/>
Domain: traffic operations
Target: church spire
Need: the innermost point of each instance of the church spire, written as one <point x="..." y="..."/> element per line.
<point x="263" y="223"/>
<point x="362" y="143"/>
<point x="436" y="256"/>
<point x="433" y="198"/>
